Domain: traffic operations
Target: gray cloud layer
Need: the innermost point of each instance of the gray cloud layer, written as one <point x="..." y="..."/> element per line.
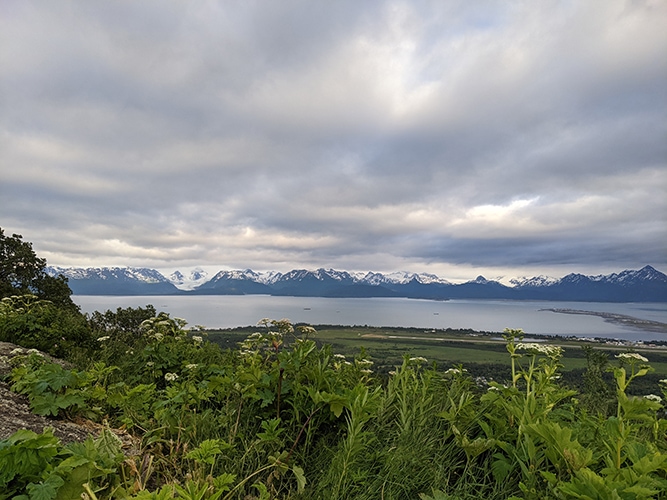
<point x="375" y="135"/>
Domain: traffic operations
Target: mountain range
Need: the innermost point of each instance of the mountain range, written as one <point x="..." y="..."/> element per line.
<point x="644" y="285"/>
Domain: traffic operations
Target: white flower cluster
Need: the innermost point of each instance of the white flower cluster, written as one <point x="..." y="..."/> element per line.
<point x="170" y="377"/>
<point x="18" y="350"/>
<point x="653" y="397"/>
<point x="191" y="366"/>
<point x="339" y="356"/>
<point x="534" y="347"/>
<point x="632" y="356"/>
<point x="103" y="339"/>
<point x="307" y="330"/>
<point x="455" y="371"/>
<point x="198" y="339"/>
<point x="418" y="359"/>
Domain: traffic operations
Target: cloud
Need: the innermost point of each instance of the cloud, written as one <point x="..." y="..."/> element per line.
<point x="374" y="135"/>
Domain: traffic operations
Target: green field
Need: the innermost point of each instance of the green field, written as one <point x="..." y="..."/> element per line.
<point x="446" y="348"/>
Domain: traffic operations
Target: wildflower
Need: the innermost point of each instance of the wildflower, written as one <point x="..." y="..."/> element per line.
<point x="663" y="381"/>
<point x="392" y="372"/>
<point x="546" y="349"/>
<point x="191" y="366"/>
<point x="339" y="356"/>
<point x="630" y="356"/>
<point x="158" y="336"/>
<point x="150" y="364"/>
<point x="18" y="350"/>
<point x="455" y="371"/>
<point x="197" y="338"/>
<point x="103" y="339"/>
<point x="170" y="377"/>
<point x="419" y="359"/>
<point x="527" y="346"/>
<point x="367" y="371"/>
<point x="653" y="397"/>
<point x="307" y="330"/>
<point x="364" y="362"/>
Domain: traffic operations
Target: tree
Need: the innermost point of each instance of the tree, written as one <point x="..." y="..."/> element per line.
<point x="22" y="272"/>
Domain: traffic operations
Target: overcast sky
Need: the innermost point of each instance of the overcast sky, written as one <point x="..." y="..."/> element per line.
<point x="459" y="138"/>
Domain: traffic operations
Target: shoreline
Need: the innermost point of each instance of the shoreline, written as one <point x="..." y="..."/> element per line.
<point x="618" y="319"/>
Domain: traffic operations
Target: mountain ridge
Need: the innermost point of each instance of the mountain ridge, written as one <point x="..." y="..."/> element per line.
<point x="644" y="285"/>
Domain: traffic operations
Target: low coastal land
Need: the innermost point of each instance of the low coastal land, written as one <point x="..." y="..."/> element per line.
<point x="618" y="319"/>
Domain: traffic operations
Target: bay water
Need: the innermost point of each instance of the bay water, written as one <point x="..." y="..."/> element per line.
<point x="228" y="311"/>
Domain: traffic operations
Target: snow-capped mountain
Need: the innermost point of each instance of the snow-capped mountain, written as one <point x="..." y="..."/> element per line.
<point x="193" y="279"/>
<point x="644" y="285"/>
<point x="115" y="280"/>
<point x="404" y="277"/>
<point x="141" y="274"/>
<point x="535" y="281"/>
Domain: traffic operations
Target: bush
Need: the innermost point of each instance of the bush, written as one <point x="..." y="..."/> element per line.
<point x="35" y="323"/>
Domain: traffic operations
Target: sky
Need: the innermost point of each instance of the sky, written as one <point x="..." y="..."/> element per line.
<point x="502" y="138"/>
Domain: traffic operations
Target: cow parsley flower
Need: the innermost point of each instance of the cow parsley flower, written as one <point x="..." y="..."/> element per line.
<point x="197" y="338"/>
<point x="455" y="371"/>
<point x="170" y="377"/>
<point x="653" y="397"/>
<point x="419" y="359"/>
<point x="535" y="348"/>
<point x="103" y="339"/>
<point x="631" y="356"/>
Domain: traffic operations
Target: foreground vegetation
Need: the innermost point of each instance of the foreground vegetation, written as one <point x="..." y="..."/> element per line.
<point x="281" y="416"/>
<point x="484" y="354"/>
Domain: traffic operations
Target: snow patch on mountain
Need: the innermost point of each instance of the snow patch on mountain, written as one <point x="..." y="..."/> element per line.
<point x="193" y="279"/>
<point x="535" y="281"/>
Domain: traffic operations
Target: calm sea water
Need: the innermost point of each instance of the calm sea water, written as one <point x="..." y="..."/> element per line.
<point x="224" y="311"/>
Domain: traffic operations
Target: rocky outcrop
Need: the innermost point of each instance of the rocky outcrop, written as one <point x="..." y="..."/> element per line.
<point x="15" y="413"/>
